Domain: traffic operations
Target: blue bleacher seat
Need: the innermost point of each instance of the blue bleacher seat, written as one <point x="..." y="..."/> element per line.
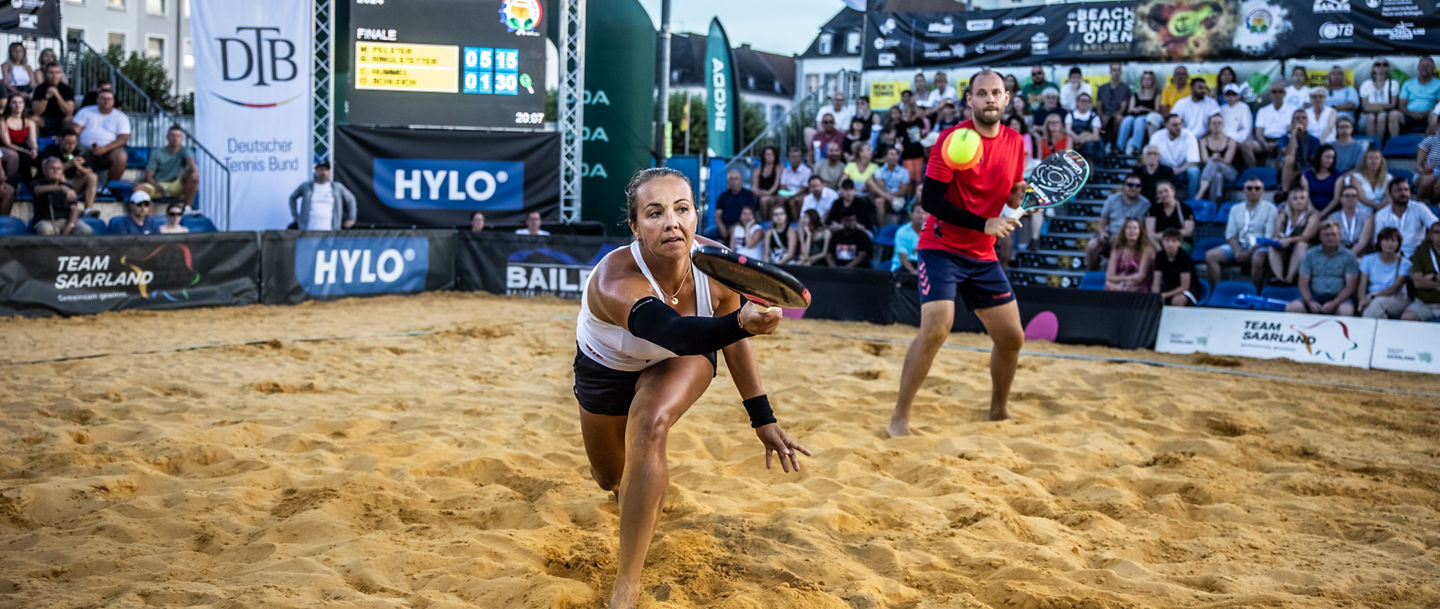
<point x="886" y="236"/>
<point x="97" y="225"/>
<point x="136" y="157"/>
<point x="1201" y="289"/>
<point x="42" y="142"/>
<point x="1286" y="293"/>
<point x="10" y="225"/>
<point x="1225" y="293"/>
<point x="1204" y="245"/>
<point x="1093" y="280"/>
<point x="1408" y="175"/>
<point x="1266" y="175"/>
<point x="1403" y="146"/>
<point x="1222" y="213"/>
<point x="1204" y="210"/>
<point x="198" y="224"/>
<point x="120" y="189"/>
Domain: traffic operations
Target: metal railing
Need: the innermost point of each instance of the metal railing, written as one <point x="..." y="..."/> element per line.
<point x="788" y="130"/>
<point x="85" y="67"/>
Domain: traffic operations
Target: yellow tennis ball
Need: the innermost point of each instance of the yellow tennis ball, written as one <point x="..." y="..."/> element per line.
<point x="962" y="149"/>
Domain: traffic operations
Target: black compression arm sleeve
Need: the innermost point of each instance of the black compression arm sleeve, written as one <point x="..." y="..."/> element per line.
<point x="933" y="200"/>
<point x="651" y="320"/>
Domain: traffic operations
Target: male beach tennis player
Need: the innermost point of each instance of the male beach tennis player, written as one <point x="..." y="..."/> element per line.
<point x="968" y="210"/>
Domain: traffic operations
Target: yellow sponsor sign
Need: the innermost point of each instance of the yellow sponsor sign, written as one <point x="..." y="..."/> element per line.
<point x="886" y="93"/>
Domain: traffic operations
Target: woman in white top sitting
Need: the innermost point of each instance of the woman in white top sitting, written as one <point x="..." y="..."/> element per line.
<point x="1380" y="101"/>
<point x="648" y="329"/>
<point x="1321" y="123"/>
<point x="1370" y="177"/>
<point x="748" y="237"/>
<point x="16" y="70"/>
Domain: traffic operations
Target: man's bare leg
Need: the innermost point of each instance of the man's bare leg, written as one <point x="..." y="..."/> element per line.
<point x="936" y="318"/>
<point x="1002" y="323"/>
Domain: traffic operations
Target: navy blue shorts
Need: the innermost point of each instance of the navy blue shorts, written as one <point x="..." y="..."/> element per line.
<point x="981" y="283"/>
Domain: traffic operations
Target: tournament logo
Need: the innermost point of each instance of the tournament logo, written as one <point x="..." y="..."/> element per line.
<point x="254" y="59"/>
<point x="1332" y="6"/>
<point x="521" y="16"/>
<point x="331" y="266"/>
<point x="1262" y="23"/>
<point x="1258" y="21"/>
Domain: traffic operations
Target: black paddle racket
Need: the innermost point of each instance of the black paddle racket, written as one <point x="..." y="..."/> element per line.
<point x="1056" y="179"/>
<point x="762" y="282"/>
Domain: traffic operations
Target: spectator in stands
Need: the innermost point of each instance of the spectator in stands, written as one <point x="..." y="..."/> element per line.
<point x="1297" y="150"/>
<point x="1018" y="108"/>
<point x="937" y="96"/>
<point x="1074" y="85"/>
<point x="947" y="117"/>
<point x="814" y="238"/>
<point x="765" y="179"/>
<point x="747" y="237"/>
<point x="1131" y="261"/>
<point x="1012" y="86"/>
<point x="912" y="131"/>
<point x="1050" y="106"/>
<point x="16" y="71"/>
<point x="57" y="208"/>
<point x="729" y="202"/>
<point x="850" y="245"/>
<point x="1419" y="95"/>
<point x="782" y="241"/>
<point x="832" y="169"/>
<point x="1328" y="277"/>
<point x="172" y="226"/>
<point x="1168" y="213"/>
<point x="1114" y="106"/>
<point x="1357" y="222"/>
<point x="849" y="205"/>
<point x="1371" y="177"/>
<point x="1380" y="101"/>
<point x="1124" y="205"/>
<point x="1217" y="152"/>
<point x="1194" y="111"/>
<point x="1297" y="95"/>
<point x="1348" y="150"/>
<point x="1244" y="228"/>
<point x="1036" y="88"/>
<point x="533" y="222"/>
<point x="171" y="171"/>
<point x="1382" y="279"/>
<point x="136" y="220"/>
<point x="477" y="221"/>
<point x="864" y="112"/>
<point x="794" y="181"/>
<point x="1152" y="172"/>
<point x="74" y="167"/>
<point x="1427" y="168"/>
<point x="1055" y="137"/>
<point x="854" y="135"/>
<point x="47" y="57"/>
<point x="91" y="97"/>
<point x="1409" y="217"/>
<point x="1174" y="272"/>
<point x="889" y="138"/>
<point x="1295" y="225"/>
<point x="838" y="114"/>
<point x="1179" y="151"/>
<point x="1224" y="79"/>
<point x="1320" y="118"/>
<point x="1322" y="181"/>
<point x="19" y="137"/>
<point x="907" y="242"/>
<point x="53" y="102"/>
<point x="827" y="135"/>
<point x="323" y="204"/>
<point x="1272" y="121"/>
<point x="1143" y="116"/>
<point x="1239" y="125"/>
<point x="863" y="167"/>
<point x="1339" y="94"/>
<point x="104" y="132"/>
<point x="7" y="194"/>
<point x="1178" y="89"/>
<point x="889" y="186"/>
<point x="819" y="197"/>
<point x="921" y="88"/>
<point x="1425" y="276"/>
<point x="1083" y="129"/>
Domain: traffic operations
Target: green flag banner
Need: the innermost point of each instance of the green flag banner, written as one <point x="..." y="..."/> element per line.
<point x="721" y="94"/>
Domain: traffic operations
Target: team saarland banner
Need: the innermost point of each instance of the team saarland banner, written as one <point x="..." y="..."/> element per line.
<point x="722" y="99"/>
<point x="252" y="102"/>
<point x="85" y="275"/>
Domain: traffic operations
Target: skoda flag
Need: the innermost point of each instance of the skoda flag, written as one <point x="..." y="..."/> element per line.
<point x="721" y="94"/>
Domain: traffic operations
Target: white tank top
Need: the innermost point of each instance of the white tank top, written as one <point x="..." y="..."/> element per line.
<point x="615" y="347"/>
<point x="19" y="76"/>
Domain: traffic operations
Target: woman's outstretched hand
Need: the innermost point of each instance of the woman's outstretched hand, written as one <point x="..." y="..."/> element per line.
<point x="777" y="441"/>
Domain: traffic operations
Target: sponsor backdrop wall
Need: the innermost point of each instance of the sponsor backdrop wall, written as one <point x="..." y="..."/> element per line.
<point x="301" y="266"/>
<point x="1155" y="30"/>
<point x="252" y="102"/>
<point x="434" y="178"/>
<point x="1320" y="339"/>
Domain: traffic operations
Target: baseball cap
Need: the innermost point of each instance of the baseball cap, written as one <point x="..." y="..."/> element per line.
<point x="140" y="196"/>
<point x="1232" y="88"/>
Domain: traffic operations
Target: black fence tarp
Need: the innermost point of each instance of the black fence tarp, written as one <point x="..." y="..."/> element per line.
<point x="85" y="275"/>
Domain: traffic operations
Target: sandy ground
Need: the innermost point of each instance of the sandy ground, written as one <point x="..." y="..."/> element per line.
<point x="425" y="452"/>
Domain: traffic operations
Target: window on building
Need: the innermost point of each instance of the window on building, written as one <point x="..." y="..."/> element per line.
<point x="155" y="7"/>
<point x="115" y="40"/>
<point x="812" y="82"/>
<point x="826" y="41"/>
<point x="852" y="43"/>
<point x="155" y="47"/>
<point x="74" y="33"/>
<point x="117" y="4"/>
<point x="777" y="86"/>
<point x="189" y="53"/>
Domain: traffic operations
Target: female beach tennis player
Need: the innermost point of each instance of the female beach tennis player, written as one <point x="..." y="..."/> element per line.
<point x="648" y="329"/>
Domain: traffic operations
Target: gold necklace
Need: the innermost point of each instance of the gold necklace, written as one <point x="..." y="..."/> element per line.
<point x="675" y="298"/>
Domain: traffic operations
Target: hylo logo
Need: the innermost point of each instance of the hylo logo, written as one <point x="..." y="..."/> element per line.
<point x="449" y="184"/>
<point x="361" y="265"/>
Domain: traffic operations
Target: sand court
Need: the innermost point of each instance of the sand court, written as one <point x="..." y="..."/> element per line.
<point x="425" y="452"/>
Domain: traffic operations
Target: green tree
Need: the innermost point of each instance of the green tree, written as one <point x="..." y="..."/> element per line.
<point x="752" y="123"/>
<point x="697" y="133"/>
<point x="148" y="74"/>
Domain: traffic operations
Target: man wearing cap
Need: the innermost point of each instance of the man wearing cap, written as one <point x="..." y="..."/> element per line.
<point x="322" y="204"/>
<point x="137" y="219"/>
<point x="1238" y="122"/>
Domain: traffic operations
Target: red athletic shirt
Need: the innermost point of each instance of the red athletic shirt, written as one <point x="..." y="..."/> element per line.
<point x="982" y="189"/>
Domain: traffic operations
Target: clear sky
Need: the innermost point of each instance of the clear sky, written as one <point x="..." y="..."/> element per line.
<point x="785" y="27"/>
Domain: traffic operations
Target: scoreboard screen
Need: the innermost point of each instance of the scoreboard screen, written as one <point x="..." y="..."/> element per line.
<point x="467" y="63"/>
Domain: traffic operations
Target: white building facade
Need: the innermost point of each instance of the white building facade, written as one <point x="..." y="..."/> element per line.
<point x="156" y="28"/>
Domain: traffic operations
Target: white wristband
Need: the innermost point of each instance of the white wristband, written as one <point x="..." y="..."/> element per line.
<point x="1012" y="212"/>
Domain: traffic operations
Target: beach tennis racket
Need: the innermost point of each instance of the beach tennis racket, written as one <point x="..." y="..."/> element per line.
<point x="760" y="281"/>
<point x="1055" y="180"/>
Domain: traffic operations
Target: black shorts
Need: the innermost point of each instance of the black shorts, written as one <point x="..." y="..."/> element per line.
<point x="606" y="391"/>
<point x="981" y="284"/>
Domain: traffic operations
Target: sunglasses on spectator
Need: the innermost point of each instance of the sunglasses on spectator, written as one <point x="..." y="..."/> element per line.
<point x="1254" y="188"/>
<point x="1132" y="184"/>
<point x="174" y="214"/>
<point x="1383" y="64"/>
<point x="1274" y="91"/>
<point x="141" y="203"/>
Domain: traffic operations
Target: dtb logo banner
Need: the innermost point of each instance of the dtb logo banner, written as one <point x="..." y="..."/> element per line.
<point x="450" y="184"/>
<point x="337" y="266"/>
